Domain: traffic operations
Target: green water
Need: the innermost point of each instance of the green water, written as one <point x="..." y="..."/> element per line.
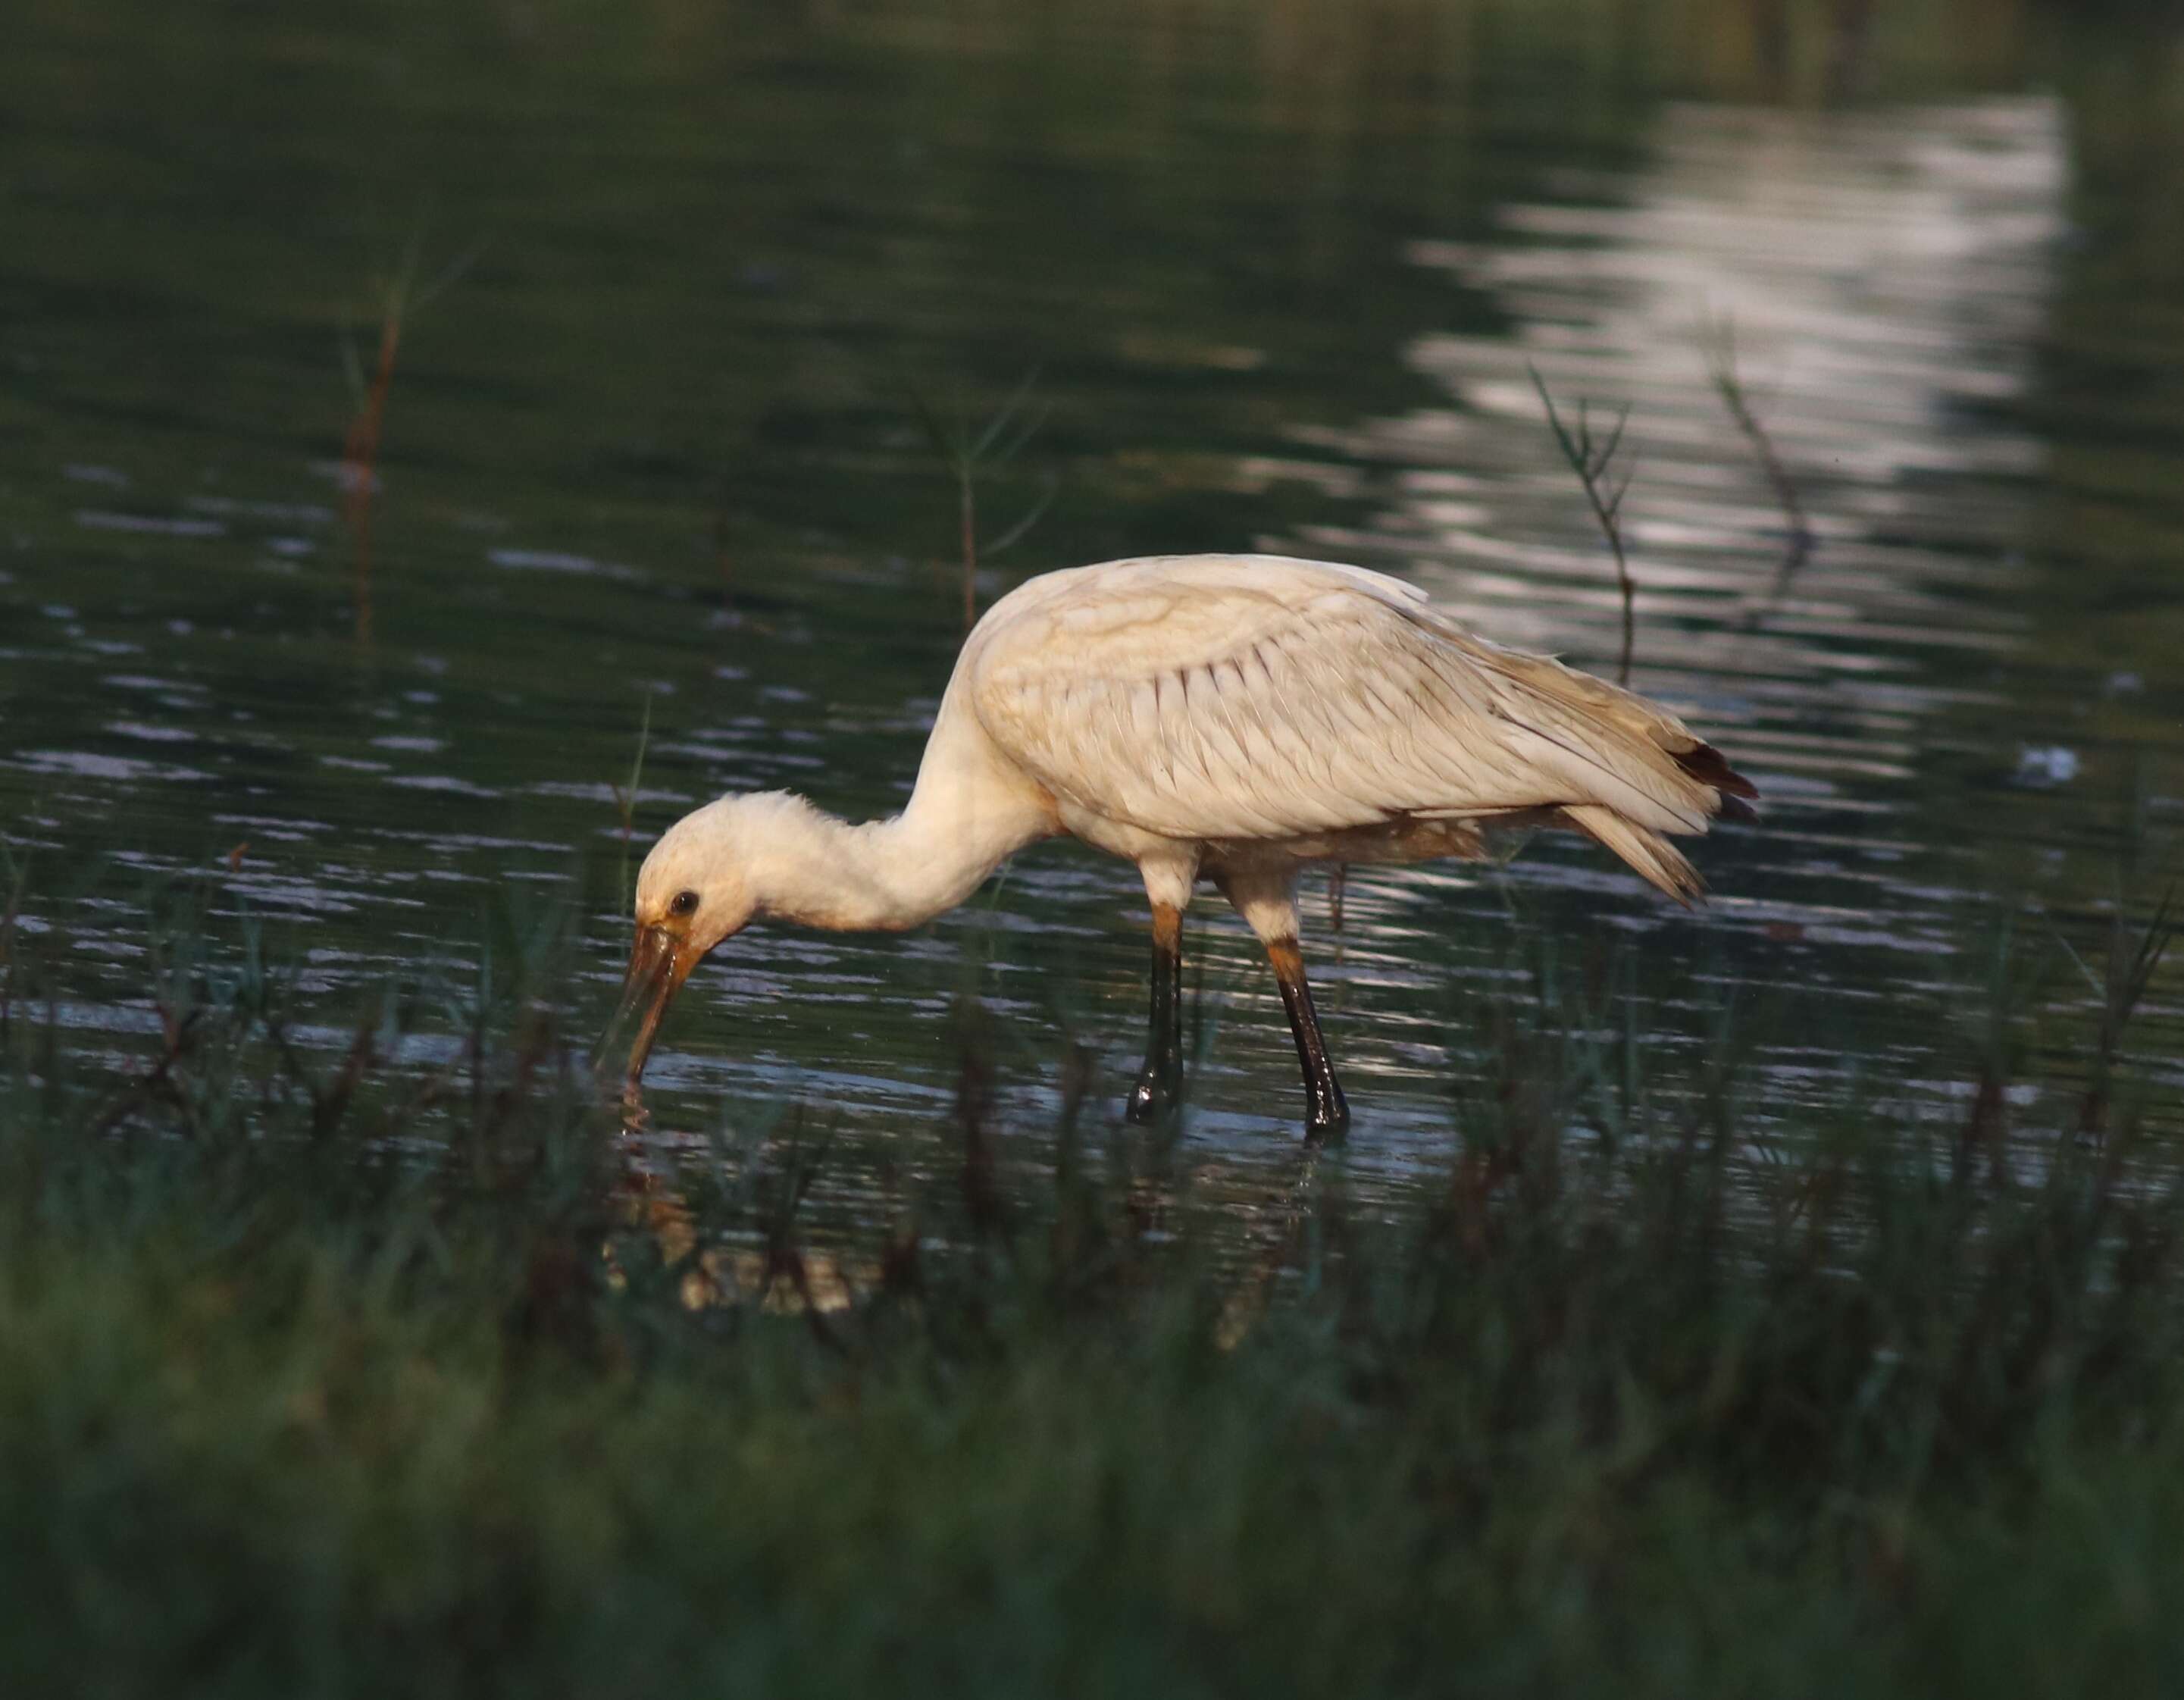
<point x="1274" y="275"/>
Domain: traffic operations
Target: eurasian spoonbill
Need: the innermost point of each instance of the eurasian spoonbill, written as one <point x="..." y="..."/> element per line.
<point x="1222" y="717"/>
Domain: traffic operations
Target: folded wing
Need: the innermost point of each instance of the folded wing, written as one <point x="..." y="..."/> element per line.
<point x="1258" y="698"/>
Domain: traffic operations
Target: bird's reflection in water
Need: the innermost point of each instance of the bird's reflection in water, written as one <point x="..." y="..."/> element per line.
<point x="1279" y="1236"/>
<point x="781" y="1276"/>
<point x="784" y="1275"/>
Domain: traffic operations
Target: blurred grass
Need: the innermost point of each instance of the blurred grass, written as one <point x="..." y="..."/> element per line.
<point x="359" y="1362"/>
<point x="373" y="1362"/>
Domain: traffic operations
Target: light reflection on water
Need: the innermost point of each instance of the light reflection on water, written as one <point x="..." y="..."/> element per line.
<point x="1891" y="277"/>
<point x="1884" y="277"/>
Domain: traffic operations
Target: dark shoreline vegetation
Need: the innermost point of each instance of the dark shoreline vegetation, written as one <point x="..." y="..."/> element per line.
<point x="373" y="1363"/>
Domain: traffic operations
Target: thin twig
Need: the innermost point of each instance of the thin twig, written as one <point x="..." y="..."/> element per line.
<point x="361" y="460"/>
<point x="329" y="1102"/>
<point x="1594" y="464"/>
<point x="19" y="872"/>
<point x="2130" y="968"/>
<point x="1033" y="515"/>
<point x="159" y="1081"/>
<point x="360" y="445"/>
<point x="967" y="512"/>
<point x="1720" y="348"/>
<point x="1005" y="433"/>
<point x="625" y="796"/>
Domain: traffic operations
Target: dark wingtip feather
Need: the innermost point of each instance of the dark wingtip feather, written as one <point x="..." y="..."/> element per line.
<point x="1706" y="764"/>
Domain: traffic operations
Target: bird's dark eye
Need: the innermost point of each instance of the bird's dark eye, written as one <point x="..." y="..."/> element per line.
<point x="685" y="903"/>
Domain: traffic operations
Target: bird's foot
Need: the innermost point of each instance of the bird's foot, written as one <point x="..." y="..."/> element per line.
<point x="1326" y="1120"/>
<point x="1153" y="1100"/>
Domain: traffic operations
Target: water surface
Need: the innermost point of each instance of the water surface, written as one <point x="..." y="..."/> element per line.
<point x="1279" y="278"/>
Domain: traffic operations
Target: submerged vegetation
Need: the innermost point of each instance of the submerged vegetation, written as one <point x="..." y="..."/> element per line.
<point x="382" y="1361"/>
<point x="399" y="299"/>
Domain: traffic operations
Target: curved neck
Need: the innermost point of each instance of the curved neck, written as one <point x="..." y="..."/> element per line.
<point x="899" y="873"/>
<point x="881" y="876"/>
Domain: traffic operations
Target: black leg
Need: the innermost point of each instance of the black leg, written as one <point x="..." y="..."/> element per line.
<point x="1327" y="1116"/>
<point x="1159" y="1090"/>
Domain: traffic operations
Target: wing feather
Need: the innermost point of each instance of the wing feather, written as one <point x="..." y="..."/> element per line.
<point x="1226" y="697"/>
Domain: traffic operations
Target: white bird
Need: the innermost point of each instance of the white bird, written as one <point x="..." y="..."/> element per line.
<point x="1224" y="717"/>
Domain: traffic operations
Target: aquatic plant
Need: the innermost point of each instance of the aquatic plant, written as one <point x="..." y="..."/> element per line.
<point x="1718" y="342"/>
<point x="398" y="297"/>
<point x="1593" y="461"/>
<point x="373" y="1358"/>
<point x="967" y="455"/>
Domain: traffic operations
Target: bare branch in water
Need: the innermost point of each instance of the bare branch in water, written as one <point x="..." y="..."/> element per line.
<point x="1011" y="427"/>
<point x="2132" y="959"/>
<point x="360" y="458"/>
<point x="19" y="873"/>
<point x="1594" y="463"/>
<point x="1720" y="348"/>
<point x="625" y="796"/>
<point x="359" y="462"/>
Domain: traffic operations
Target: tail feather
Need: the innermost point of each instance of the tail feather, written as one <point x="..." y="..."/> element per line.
<point x="1734" y="792"/>
<point x="1645" y="773"/>
<point x="1634" y="773"/>
<point x="1628" y="740"/>
<point x="1649" y="854"/>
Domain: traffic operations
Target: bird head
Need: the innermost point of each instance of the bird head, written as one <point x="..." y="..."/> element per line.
<point x="695" y="889"/>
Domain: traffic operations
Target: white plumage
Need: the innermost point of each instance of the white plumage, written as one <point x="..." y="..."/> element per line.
<point x="1233" y="718"/>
